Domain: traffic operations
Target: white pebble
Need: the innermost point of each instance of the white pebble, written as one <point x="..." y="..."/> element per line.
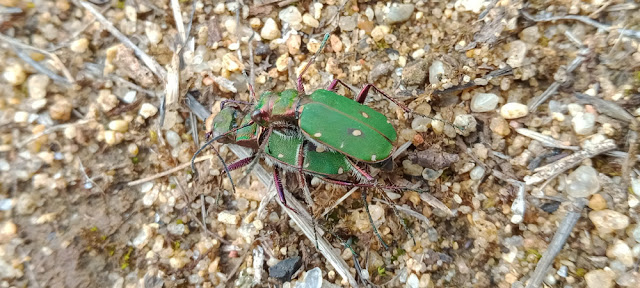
<point x="377" y="212"/>
<point x="154" y="33"/>
<point x="467" y="124"/>
<point x="436" y="71"/>
<point x="516" y="54"/>
<point x="584" y="123"/>
<point x="607" y="221"/>
<point x="113" y="137"/>
<point x="621" y="251"/>
<point x="21" y="117"/>
<point x="270" y="30"/>
<point x="147" y="110"/>
<point x="150" y="197"/>
<point x="119" y="125"/>
<point x="14" y="74"/>
<point x="514" y="110"/>
<point x="37" y="86"/>
<point x="80" y="45"/>
<point x="175" y="228"/>
<point x="582" y="182"/>
<point x="173" y="138"/>
<point x="228" y="218"/>
<point x="600" y="278"/>
<point x="476" y="173"/>
<point x="310" y="21"/>
<point x="418" y="53"/>
<point x="129" y="97"/>
<point x="290" y="15"/>
<point x="484" y="102"/>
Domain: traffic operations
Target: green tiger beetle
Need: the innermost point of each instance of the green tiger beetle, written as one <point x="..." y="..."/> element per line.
<point x="324" y="134"/>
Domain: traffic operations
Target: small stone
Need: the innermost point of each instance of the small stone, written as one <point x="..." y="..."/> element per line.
<point x="228" y="218"/>
<point x="476" y="173"/>
<point x="583" y="182"/>
<point x="142" y="239"/>
<point x="530" y="35"/>
<point x="270" y="30"/>
<point x="379" y="32"/>
<point x="132" y="149"/>
<point x="514" y="110"/>
<point x="282" y="63"/>
<point x="61" y="110"/>
<point x="80" y="45"/>
<point x="21" y="117"/>
<point x="419" y="54"/>
<point x="412" y="169"/>
<point x="484" y="102"/>
<point x="150" y="197"/>
<point x="377" y="212"/>
<point x="15" y="74"/>
<point x="107" y="101"/>
<point x="8" y="231"/>
<point x="130" y="97"/>
<point x="37" y="86"/>
<point x="113" y="137"/>
<point x="153" y="32"/>
<point x="284" y="269"/>
<point x="119" y="125"/>
<point x="621" y="251"/>
<point x="467" y="124"/>
<point x="147" y="110"/>
<point x="313" y="278"/>
<point x="293" y="44"/>
<point x="414" y="73"/>
<point x="413" y="281"/>
<point x="177" y="262"/>
<point x="430" y="174"/>
<point x="608" y="221"/>
<point x="599" y="278"/>
<point x="584" y="123"/>
<point x="173" y="138"/>
<point x="231" y="62"/>
<point x="290" y="15"/>
<point x="516" y="53"/>
<point x="176" y="229"/>
<point x="629" y="279"/>
<point x="399" y="13"/>
<point x="348" y="23"/>
<point x="336" y="43"/>
<point x="500" y="126"/>
<point x="436" y="72"/>
<point x="308" y="20"/>
<point x="597" y="202"/>
<point x="38" y="104"/>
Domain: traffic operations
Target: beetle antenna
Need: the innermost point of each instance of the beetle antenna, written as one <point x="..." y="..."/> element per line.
<point x="299" y="85"/>
<point x="208" y="143"/>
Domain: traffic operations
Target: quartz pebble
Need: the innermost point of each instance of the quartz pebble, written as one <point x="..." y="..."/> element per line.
<point x="290" y="15"/>
<point x="436" y="72"/>
<point x="530" y="34"/>
<point x="348" y="23"/>
<point x="173" y="138"/>
<point x="21" y="117"/>
<point x="413" y="281"/>
<point x="516" y="53"/>
<point x="270" y="30"/>
<point x="582" y="182"/>
<point x="599" y="278"/>
<point x="607" y="221"/>
<point x="514" y="110"/>
<point x="597" y="202"/>
<point x="308" y="20"/>
<point x="583" y="123"/>
<point x="37" y="86"/>
<point x="176" y="229"/>
<point x="107" y="101"/>
<point x="467" y="124"/>
<point x="500" y="126"/>
<point x="621" y="251"/>
<point x="411" y="169"/>
<point x="154" y="33"/>
<point x="379" y="32"/>
<point x="476" y="173"/>
<point x="484" y="102"/>
<point x="118" y="125"/>
<point x="147" y="110"/>
<point x="14" y="74"/>
<point x="113" y="137"/>
<point x="293" y="44"/>
<point x="629" y="279"/>
<point x="228" y="218"/>
<point x="399" y="13"/>
<point x="80" y="45"/>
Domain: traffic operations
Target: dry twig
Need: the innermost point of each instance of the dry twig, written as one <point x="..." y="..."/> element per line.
<point x="583" y="19"/>
<point x="68" y="79"/>
<point x="558" y="241"/>
<point x="168" y="172"/>
<point x="545" y="140"/>
<point x="51" y="130"/>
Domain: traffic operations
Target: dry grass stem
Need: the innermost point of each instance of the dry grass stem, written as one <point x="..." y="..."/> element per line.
<point x="168" y="172"/>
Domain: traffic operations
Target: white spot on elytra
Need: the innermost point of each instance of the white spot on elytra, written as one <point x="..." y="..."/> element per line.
<point x="388" y="122"/>
<point x="342" y="145"/>
<point x="306" y="165"/>
<point x="317" y="135"/>
<point x="365" y="115"/>
<point x="356" y="132"/>
<point x="320" y="149"/>
<point x="340" y="170"/>
<point x="373" y="157"/>
<point x="280" y="155"/>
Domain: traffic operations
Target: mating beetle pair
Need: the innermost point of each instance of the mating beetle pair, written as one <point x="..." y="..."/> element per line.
<point x="323" y="134"/>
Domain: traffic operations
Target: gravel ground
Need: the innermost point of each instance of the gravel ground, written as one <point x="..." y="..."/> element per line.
<point x="530" y="143"/>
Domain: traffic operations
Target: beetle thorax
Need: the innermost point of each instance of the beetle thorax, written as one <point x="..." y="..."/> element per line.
<point x="272" y="107"/>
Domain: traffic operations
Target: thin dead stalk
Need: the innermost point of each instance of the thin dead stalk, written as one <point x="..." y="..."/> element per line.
<point x="583" y="19"/>
<point x="168" y="172"/>
<point x="51" y="130"/>
<point x="68" y="79"/>
<point x="558" y="241"/>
